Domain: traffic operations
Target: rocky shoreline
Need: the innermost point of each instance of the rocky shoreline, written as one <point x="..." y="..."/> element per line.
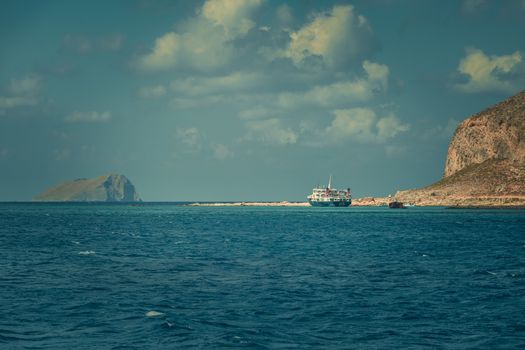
<point x="449" y="202"/>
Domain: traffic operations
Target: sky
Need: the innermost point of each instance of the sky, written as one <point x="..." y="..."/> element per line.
<point x="224" y="100"/>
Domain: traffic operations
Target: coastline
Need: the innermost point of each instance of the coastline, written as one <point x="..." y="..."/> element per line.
<point x="458" y="202"/>
<point x="250" y="204"/>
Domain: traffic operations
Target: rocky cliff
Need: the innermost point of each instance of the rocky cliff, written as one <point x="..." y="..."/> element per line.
<point x="107" y="188"/>
<point x="495" y="133"/>
<point x="485" y="162"/>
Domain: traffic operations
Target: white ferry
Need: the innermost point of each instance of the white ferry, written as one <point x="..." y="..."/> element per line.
<point x="328" y="196"/>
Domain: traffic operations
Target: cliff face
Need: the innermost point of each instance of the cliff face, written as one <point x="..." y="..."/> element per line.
<point x="107" y="188"/>
<point x="496" y="133"/>
<point x="485" y="163"/>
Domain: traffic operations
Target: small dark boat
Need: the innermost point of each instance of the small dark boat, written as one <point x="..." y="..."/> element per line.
<point x="396" y="205"/>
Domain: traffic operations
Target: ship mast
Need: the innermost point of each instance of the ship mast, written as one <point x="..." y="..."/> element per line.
<point x="330" y="183"/>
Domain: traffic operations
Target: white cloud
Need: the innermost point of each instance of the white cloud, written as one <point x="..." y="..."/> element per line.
<point x="88" y="117"/>
<point x="202" y="86"/>
<point x="270" y="131"/>
<point x="356" y="123"/>
<point x="284" y="14"/>
<point x="190" y="137"/>
<point x="363" y="125"/>
<point x="204" y="42"/>
<point x="390" y="126"/>
<point x="25" y="86"/>
<point x="337" y="36"/>
<point x="21" y="93"/>
<point x="255" y="90"/>
<point x="152" y="91"/>
<point x="342" y="92"/>
<point x="236" y="87"/>
<point x="221" y="151"/>
<point x="8" y="102"/>
<point x="234" y="16"/>
<point x="184" y="102"/>
<point x="164" y="53"/>
<point x="494" y="73"/>
<point x="201" y="47"/>
<point x="377" y="73"/>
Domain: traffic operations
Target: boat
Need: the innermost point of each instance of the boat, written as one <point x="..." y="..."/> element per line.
<point x="328" y="196"/>
<point x="396" y="205"/>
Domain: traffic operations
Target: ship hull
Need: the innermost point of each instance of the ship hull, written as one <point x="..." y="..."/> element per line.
<point x="330" y="204"/>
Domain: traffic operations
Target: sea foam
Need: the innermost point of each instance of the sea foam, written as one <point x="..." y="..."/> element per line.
<point x="87" y="252"/>
<point x="153" y="314"/>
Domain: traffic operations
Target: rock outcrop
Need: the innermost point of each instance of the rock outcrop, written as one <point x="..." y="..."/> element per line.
<point x="107" y="188"/>
<point x="485" y="163"/>
<point x="371" y="201"/>
<point x="496" y="133"/>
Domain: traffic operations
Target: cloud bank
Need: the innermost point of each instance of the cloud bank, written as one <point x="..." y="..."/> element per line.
<point x="363" y="125"/>
<point x="336" y="36"/>
<point x="205" y="41"/>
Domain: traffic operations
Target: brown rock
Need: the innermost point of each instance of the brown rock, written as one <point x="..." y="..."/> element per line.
<point x="485" y="163"/>
<point x="107" y="188"/>
<point x="496" y="133"/>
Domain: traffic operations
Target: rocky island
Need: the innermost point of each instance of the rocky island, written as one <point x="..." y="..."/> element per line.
<point x="106" y="188"/>
<point x="485" y="163"/>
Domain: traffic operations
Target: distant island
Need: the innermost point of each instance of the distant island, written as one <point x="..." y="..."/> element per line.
<point x="106" y="188"/>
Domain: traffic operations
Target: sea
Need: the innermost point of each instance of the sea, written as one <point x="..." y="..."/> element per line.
<point x="167" y="276"/>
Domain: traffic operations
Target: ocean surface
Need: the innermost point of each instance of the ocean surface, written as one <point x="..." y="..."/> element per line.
<point x="163" y="276"/>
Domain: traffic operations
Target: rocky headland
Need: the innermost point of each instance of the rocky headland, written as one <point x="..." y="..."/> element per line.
<point x="485" y="163"/>
<point x="106" y="188"/>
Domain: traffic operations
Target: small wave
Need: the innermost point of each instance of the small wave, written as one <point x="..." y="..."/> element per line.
<point x="153" y="313"/>
<point x="75" y="242"/>
<point x="87" y="252"/>
<point x="492" y="273"/>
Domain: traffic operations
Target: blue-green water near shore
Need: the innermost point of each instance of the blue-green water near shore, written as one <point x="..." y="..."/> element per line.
<point x="78" y="276"/>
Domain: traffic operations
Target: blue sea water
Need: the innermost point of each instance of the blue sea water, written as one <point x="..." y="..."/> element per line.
<point x="162" y="276"/>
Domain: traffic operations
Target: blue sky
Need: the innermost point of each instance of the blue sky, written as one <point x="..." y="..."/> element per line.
<point x="246" y="99"/>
